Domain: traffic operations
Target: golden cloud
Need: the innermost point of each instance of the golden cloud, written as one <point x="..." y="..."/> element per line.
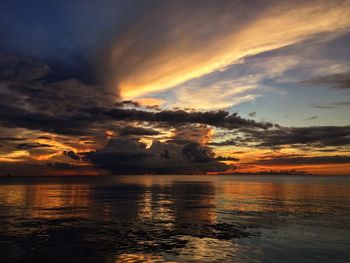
<point x="182" y="40"/>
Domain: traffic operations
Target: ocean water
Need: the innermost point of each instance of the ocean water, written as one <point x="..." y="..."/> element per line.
<point x="175" y="219"/>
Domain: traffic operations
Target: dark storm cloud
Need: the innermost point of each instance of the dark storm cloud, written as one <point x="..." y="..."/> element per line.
<point x="336" y="159"/>
<point x="336" y="81"/>
<point x="130" y="156"/>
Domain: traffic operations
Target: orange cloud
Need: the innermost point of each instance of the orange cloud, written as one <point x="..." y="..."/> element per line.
<point x="168" y="47"/>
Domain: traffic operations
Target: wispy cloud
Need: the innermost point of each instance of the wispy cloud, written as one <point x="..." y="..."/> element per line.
<point x="149" y="58"/>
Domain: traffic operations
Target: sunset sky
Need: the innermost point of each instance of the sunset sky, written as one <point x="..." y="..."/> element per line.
<point x="174" y="87"/>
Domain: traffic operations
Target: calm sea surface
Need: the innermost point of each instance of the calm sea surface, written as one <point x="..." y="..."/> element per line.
<point x="175" y="219"/>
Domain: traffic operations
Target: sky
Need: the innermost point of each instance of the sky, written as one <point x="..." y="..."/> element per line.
<point x="174" y="87"/>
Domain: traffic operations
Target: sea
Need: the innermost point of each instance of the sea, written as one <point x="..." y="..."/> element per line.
<point x="177" y="218"/>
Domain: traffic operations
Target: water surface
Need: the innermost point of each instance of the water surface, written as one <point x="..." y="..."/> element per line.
<point x="175" y="219"/>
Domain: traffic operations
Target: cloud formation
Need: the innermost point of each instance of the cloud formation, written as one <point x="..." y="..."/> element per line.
<point x="298" y="160"/>
<point x="126" y="156"/>
<point x="336" y="81"/>
<point x="174" y="79"/>
<point x="160" y="50"/>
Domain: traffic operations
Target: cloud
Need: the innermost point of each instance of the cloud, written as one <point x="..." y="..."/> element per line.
<point x="225" y="158"/>
<point x="21" y="69"/>
<point x="72" y="155"/>
<point x="217" y="95"/>
<point x="126" y="156"/>
<point x="150" y="102"/>
<point x="342" y="103"/>
<point x="160" y="50"/>
<point x="11" y="139"/>
<point x="311" y="118"/>
<point x="71" y="107"/>
<point x="14" y="156"/>
<point x="220" y="119"/>
<point x="27" y="146"/>
<point x="336" y="81"/>
<point x="131" y="130"/>
<point x="323" y="107"/>
<point x="230" y="142"/>
<point x="336" y="159"/>
<point x="318" y="136"/>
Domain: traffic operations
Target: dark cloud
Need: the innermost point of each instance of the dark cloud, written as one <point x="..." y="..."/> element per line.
<point x="72" y="155"/>
<point x="45" y="137"/>
<point x="195" y="153"/>
<point x="11" y="139"/>
<point x="222" y="158"/>
<point x="129" y="157"/>
<point x="71" y="107"/>
<point x="277" y="137"/>
<point x="320" y="136"/>
<point x="230" y="142"/>
<point x="220" y="119"/>
<point x="21" y="69"/>
<point x="131" y="130"/>
<point x="14" y="117"/>
<point x="336" y="81"/>
<point x="336" y="159"/>
<point x="32" y="145"/>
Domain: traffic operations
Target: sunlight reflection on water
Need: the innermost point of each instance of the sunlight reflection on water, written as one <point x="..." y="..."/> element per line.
<point x="175" y="219"/>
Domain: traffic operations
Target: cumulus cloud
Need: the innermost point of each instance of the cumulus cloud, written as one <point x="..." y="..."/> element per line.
<point x="126" y="156"/>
